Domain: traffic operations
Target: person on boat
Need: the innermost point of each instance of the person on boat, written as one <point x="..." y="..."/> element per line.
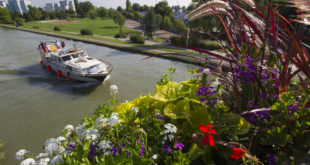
<point x="58" y="44"/>
<point x="63" y="44"/>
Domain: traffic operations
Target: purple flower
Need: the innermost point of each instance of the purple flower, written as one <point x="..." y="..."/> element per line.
<point x="138" y="142"/>
<point x="167" y="148"/>
<point x="292" y="109"/>
<point x="142" y="150"/>
<point x="70" y="147"/>
<point x="263" y="95"/>
<point x="114" y="150"/>
<point x="271" y="159"/>
<point x="178" y="145"/>
<point x="123" y="145"/>
<point x="92" y="153"/>
<point x="159" y="117"/>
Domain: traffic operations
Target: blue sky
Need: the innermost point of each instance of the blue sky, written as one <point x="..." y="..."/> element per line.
<point x="115" y="3"/>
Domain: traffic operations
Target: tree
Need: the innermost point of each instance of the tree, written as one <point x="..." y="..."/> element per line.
<point x="179" y="26"/>
<point x="166" y="23"/>
<point x="20" y="21"/>
<point x="146" y="8"/>
<point x="128" y="6"/>
<point x="102" y="12"/>
<point x="119" y="9"/>
<point x="92" y="14"/>
<point x="150" y="23"/>
<point x="119" y="19"/>
<point x="136" y="7"/>
<point x="84" y="8"/>
<point x="163" y="9"/>
<point x="5" y="15"/>
<point x="34" y="13"/>
<point x="76" y="4"/>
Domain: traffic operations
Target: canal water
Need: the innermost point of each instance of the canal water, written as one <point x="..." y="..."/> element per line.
<point x="36" y="104"/>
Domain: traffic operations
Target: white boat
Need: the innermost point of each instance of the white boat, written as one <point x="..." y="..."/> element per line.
<point x="72" y="63"/>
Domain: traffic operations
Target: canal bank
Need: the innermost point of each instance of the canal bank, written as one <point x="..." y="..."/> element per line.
<point x="177" y="56"/>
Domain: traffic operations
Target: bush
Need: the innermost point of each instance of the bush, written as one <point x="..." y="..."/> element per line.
<point x="137" y="38"/>
<point x="20" y="21"/>
<point x="179" y="26"/>
<point x="210" y="45"/>
<point x="57" y="28"/>
<point x="86" y="32"/>
<point x="120" y="35"/>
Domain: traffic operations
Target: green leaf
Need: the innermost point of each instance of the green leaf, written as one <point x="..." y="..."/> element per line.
<point x="239" y="123"/>
<point x="276" y="139"/>
<point x="179" y="110"/>
<point x="195" y="152"/>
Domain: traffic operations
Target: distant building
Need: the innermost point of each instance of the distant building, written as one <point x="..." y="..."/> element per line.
<point x="63" y="5"/>
<point x="66" y="5"/>
<point x="20" y="6"/>
<point x="179" y="14"/>
<point x="49" y="7"/>
<point x="2" y="4"/>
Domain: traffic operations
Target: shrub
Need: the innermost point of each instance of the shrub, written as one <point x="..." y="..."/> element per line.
<point x="137" y="38"/>
<point x="20" y="21"/>
<point x="120" y="35"/>
<point x="57" y="28"/>
<point x="86" y="32"/>
<point x="210" y="45"/>
<point x="179" y="26"/>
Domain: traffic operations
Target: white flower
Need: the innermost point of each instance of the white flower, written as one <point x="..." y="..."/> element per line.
<point x="216" y="82"/>
<point x="20" y="154"/>
<point x="170" y="137"/>
<point x="105" y="145"/>
<point x="90" y="134"/>
<point x="56" y="159"/>
<point x="28" y="161"/>
<point x="69" y="127"/>
<point x="43" y="161"/>
<point x="207" y="71"/>
<point x="170" y="128"/>
<point x="101" y="121"/>
<point x="113" y="119"/>
<point x="165" y="138"/>
<point x="53" y="145"/>
<point x="134" y="109"/>
<point x="113" y="90"/>
<point x="79" y="129"/>
<point x="60" y="139"/>
<point x="155" y="156"/>
<point x="42" y="155"/>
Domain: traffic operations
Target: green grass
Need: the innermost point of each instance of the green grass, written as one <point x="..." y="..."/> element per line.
<point x="104" y="27"/>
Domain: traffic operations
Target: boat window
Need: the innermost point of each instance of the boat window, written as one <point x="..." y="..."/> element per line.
<point x="75" y="56"/>
<point x="66" y="58"/>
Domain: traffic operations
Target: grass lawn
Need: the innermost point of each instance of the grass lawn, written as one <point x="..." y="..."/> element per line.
<point x="99" y="26"/>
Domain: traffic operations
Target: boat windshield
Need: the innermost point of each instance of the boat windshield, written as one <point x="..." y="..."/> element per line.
<point x="65" y="58"/>
<point x="75" y="56"/>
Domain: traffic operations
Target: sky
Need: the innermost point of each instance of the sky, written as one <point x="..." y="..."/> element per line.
<point x="116" y="3"/>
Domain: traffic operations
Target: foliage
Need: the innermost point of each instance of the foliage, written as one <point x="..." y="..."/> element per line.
<point x="119" y="19"/>
<point x="33" y="14"/>
<point x="179" y="26"/>
<point x="83" y="8"/>
<point x="138" y="16"/>
<point x="86" y="32"/>
<point x="92" y="14"/>
<point x="128" y="6"/>
<point x="102" y="12"/>
<point x="57" y="28"/>
<point x="120" y="35"/>
<point x="137" y="38"/>
<point x="5" y="16"/>
<point x="20" y="21"/>
<point x="166" y="23"/>
<point x="164" y="9"/>
<point x="150" y="23"/>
